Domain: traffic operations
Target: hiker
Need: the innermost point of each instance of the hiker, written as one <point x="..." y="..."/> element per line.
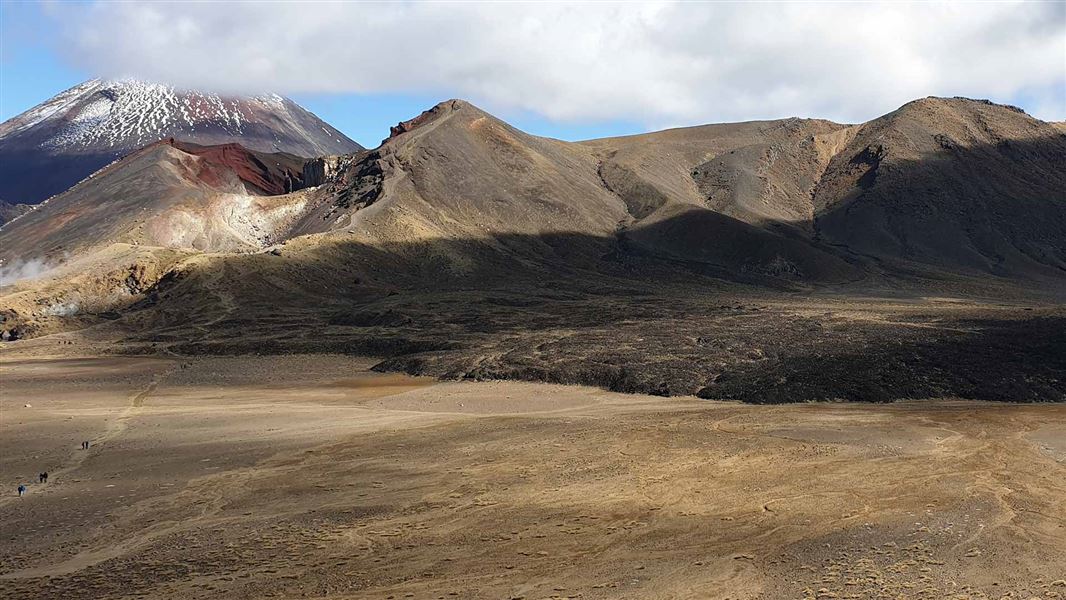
<point x="42" y="477"/>
<point x="22" y="490"/>
<point x="85" y="445"/>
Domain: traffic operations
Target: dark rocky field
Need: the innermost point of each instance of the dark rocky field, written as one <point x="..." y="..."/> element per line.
<point x="765" y="348"/>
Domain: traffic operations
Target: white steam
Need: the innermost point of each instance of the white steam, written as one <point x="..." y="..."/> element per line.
<point x="22" y="270"/>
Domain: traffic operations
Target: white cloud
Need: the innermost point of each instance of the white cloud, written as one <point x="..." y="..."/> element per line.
<point x="654" y="63"/>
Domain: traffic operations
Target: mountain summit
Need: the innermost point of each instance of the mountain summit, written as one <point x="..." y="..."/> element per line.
<point x="55" y="144"/>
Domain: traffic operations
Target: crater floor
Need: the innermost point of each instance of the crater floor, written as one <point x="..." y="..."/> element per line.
<point x="309" y="476"/>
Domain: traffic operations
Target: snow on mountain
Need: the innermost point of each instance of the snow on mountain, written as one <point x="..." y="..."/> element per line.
<point x="48" y="148"/>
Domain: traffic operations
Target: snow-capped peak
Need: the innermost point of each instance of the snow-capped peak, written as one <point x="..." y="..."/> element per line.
<point x="55" y="144"/>
<point x="131" y="113"/>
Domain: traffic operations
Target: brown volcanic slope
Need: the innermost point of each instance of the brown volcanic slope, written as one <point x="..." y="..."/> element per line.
<point x="956" y="183"/>
<point x="10" y="211"/>
<point x="169" y="194"/>
<point x="463" y="247"/>
<point x="757" y="171"/>
<point x="485" y="192"/>
<point x="52" y="146"/>
<point x="97" y="247"/>
<point x="462" y="192"/>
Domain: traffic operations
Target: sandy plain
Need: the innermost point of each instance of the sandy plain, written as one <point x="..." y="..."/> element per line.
<point x="313" y="477"/>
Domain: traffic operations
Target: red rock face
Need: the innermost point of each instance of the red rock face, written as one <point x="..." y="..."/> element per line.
<point x="49" y="148"/>
<point x="269" y="174"/>
<point x="408" y="125"/>
<point x="427" y="116"/>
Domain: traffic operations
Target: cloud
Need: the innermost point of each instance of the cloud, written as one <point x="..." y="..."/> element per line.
<point x="656" y="63"/>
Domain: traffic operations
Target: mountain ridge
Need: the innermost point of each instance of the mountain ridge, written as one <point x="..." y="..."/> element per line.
<point x="55" y="144"/>
<point x="455" y="165"/>
<point x="457" y="197"/>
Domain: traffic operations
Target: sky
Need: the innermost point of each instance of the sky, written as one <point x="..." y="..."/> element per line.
<point x="565" y="70"/>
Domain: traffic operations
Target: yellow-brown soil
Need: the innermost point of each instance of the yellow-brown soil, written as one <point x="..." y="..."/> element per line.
<point x="307" y="476"/>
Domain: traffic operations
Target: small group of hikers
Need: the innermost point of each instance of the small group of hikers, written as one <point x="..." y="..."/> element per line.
<point x="42" y="477"/>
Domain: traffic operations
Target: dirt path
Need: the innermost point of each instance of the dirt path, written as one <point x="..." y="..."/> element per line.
<point x="114" y="428"/>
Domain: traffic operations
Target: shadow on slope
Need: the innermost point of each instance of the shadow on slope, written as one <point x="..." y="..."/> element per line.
<point x="690" y="302"/>
<point x="987" y="208"/>
<point x="31" y="179"/>
<point x="567" y="308"/>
